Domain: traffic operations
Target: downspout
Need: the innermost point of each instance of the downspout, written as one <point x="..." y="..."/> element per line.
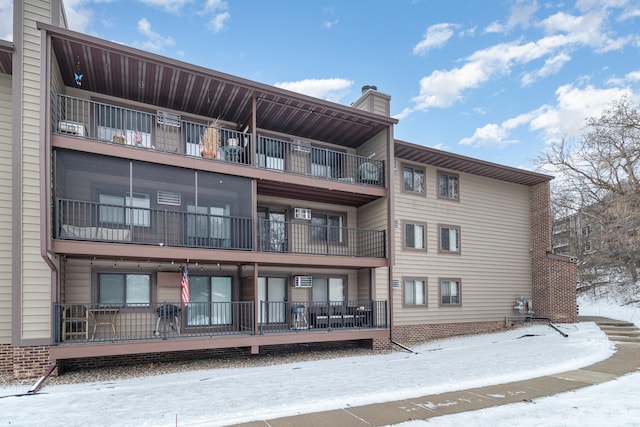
<point x="390" y="235"/>
<point x="45" y="163"/>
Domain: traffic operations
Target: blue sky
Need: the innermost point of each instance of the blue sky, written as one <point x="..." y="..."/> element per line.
<point x="495" y="80"/>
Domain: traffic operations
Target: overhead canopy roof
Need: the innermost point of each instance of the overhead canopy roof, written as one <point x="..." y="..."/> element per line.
<point x="442" y="159"/>
<point x="124" y="72"/>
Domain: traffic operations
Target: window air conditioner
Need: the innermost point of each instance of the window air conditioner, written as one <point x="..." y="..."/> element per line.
<point x="167" y="119"/>
<point x="74" y="128"/>
<point x="303" y="281"/>
<point x="301" y="146"/>
<point x="302" y="213"/>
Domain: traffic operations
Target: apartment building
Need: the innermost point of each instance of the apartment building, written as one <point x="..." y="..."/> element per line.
<point x="162" y="209"/>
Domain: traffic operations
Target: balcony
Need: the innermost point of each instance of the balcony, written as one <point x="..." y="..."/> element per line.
<point x="95" y="323"/>
<point x="137" y="224"/>
<point x="103" y="222"/>
<point x="170" y="133"/>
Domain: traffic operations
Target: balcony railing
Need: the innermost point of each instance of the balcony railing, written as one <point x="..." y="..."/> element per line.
<point x="89" y="323"/>
<point x="129" y="322"/>
<point x="295" y="316"/>
<point x="103" y="222"/>
<point x="92" y="221"/>
<point x="306" y="238"/>
<point x="154" y="131"/>
<point x="303" y="159"/>
<point x="170" y="133"/>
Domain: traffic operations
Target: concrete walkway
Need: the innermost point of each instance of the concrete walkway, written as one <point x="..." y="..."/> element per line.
<point x="624" y="360"/>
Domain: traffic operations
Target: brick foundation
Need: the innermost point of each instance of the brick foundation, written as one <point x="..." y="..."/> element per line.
<point x="413" y="334"/>
<point x="24" y="362"/>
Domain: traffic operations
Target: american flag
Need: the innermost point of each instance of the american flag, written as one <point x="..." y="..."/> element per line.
<point x="184" y="295"/>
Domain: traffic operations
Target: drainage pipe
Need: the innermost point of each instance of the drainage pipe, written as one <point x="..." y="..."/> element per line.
<point x="551" y="325"/>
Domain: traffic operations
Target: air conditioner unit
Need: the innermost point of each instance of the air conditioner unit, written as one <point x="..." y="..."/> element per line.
<point x="74" y="128"/>
<point x="303" y="281"/>
<point x="302" y="213"/>
<point x="167" y="119"/>
<point x="302" y="147"/>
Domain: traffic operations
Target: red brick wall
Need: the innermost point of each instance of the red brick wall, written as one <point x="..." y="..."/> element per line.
<point x="425" y="332"/>
<point x="553" y="277"/>
<point x="24" y="362"/>
<point x="6" y="359"/>
<point x="563" y="294"/>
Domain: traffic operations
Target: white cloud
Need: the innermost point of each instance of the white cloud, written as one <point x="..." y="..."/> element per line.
<point x="219" y="16"/>
<point x="495" y="27"/>
<point x="219" y="21"/>
<point x="587" y="5"/>
<point x="155" y="42"/>
<point x="436" y="36"/>
<point x="564" y="32"/>
<point x="171" y="6"/>
<point x="521" y="13"/>
<point x="6" y="20"/>
<point x="78" y="14"/>
<point x="551" y="66"/>
<point x="488" y="135"/>
<point x="329" y="24"/>
<point x="329" y="89"/>
<point x="573" y="107"/>
<point x="566" y="119"/>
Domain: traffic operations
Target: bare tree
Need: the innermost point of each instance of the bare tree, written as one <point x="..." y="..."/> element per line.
<point x="599" y="176"/>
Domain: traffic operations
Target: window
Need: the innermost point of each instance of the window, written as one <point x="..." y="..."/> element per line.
<point x="272" y="294"/>
<point x="415" y="292"/>
<point x="210" y="300"/>
<point x="449" y="239"/>
<point x="448" y="186"/>
<point x="586" y="230"/>
<point x="450" y="292"/>
<point x="328" y="227"/>
<point x="209" y="226"/>
<point x="327" y="289"/>
<point x="113" y="211"/>
<point x="415" y="236"/>
<point x="124" y="289"/>
<point x="413" y="179"/>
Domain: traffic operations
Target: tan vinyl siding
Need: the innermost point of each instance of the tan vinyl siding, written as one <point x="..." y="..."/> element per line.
<point x="494" y="264"/>
<point x="5" y="208"/>
<point x="36" y="276"/>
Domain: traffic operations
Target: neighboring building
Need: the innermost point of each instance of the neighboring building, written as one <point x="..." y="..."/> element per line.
<point x="301" y="220"/>
<point x="576" y="235"/>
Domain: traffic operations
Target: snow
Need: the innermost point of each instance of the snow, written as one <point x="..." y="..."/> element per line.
<point x="229" y="396"/>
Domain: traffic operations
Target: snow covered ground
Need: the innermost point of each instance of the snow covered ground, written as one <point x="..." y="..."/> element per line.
<point x="228" y="396"/>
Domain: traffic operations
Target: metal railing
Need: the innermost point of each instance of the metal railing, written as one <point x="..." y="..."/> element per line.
<point x="170" y="133"/>
<point x="81" y="220"/>
<point x="311" y="239"/>
<point x="78" y="323"/>
<point x="89" y="323"/>
<point x="102" y="222"/>
<point x="153" y="131"/>
<point x="303" y="159"/>
<point x="294" y="316"/>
